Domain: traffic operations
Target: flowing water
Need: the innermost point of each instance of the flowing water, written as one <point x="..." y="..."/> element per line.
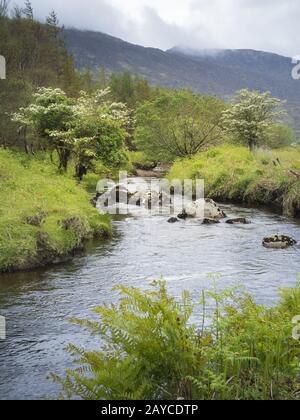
<point x="38" y="304"/>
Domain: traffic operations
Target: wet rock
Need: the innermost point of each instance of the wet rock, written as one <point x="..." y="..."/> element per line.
<point x="173" y="220"/>
<point x="95" y="199"/>
<point x="150" y="199"/>
<point x="210" y="221"/>
<point x="116" y="194"/>
<point x="183" y="215"/>
<point x="211" y="210"/>
<point x="238" y="221"/>
<point x="279" y="242"/>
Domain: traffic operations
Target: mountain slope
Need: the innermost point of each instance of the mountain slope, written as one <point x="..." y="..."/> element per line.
<point x="220" y="72"/>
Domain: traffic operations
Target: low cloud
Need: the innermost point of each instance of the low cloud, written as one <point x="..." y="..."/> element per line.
<point x="270" y="25"/>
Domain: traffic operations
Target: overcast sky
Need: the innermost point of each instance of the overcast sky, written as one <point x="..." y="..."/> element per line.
<point x="269" y="25"/>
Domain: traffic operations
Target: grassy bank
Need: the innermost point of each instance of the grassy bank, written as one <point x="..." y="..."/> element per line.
<point x="152" y="350"/>
<point x="44" y="216"/>
<point x="236" y="174"/>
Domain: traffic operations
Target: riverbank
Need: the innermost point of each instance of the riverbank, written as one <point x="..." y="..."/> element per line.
<point x="45" y="217"/>
<point x="235" y="174"/>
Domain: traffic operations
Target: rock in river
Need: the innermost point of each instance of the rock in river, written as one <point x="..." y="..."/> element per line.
<point x="195" y="209"/>
<point x="173" y="220"/>
<point x="239" y="221"/>
<point x="279" y="242"/>
<point x="210" y="221"/>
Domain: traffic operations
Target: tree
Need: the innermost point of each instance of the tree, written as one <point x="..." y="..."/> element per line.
<point x="280" y="135"/>
<point x="96" y="132"/>
<point x="89" y="128"/>
<point x="178" y="124"/>
<point x="4" y="5"/>
<point x="52" y="20"/>
<point x="35" y="56"/>
<point x="129" y="89"/>
<point x="28" y="10"/>
<point x="251" y="117"/>
<point x="51" y="112"/>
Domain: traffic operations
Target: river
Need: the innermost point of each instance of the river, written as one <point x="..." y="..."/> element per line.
<point x="38" y="304"/>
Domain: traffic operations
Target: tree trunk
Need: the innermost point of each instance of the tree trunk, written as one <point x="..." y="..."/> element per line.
<point x="252" y="145"/>
<point x="64" y="156"/>
<point x="80" y="170"/>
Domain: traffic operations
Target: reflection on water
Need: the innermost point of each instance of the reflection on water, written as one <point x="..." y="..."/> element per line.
<point x="39" y="304"/>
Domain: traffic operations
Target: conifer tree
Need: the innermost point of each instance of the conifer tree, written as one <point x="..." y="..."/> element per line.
<point x="28" y="10"/>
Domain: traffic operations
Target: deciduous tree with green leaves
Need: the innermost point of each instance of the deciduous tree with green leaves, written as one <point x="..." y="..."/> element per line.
<point x="88" y="128"/>
<point x="178" y="124"/>
<point x="251" y="117"/>
<point x="51" y="111"/>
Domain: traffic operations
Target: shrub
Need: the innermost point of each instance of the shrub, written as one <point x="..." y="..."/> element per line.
<point x="151" y="350"/>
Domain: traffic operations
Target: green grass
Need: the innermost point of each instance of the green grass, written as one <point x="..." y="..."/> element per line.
<point x="234" y="173"/>
<point x="151" y="350"/>
<point x="139" y="160"/>
<point x="43" y="215"/>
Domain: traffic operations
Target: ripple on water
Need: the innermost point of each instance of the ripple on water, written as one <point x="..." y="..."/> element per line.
<point x="39" y="304"/>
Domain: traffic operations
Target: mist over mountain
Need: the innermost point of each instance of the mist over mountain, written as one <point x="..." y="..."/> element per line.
<point x="215" y="72"/>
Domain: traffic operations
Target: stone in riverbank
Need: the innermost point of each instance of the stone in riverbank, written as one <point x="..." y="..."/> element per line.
<point x="279" y="242"/>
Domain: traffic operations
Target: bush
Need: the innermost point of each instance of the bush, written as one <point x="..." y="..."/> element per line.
<point x="151" y="350"/>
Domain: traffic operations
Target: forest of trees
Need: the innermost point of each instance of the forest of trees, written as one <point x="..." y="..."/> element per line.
<point x="163" y="123"/>
<point x="36" y="57"/>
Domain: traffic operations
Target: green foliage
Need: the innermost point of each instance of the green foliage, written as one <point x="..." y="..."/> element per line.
<point x="151" y="350"/>
<point x="129" y="89"/>
<point x="251" y="117"/>
<point x="36" y="56"/>
<point x="44" y="216"/>
<point x="139" y="160"/>
<point x="279" y="135"/>
<point x="90" y="128"/>
<point x="51" y="111"/>
<point x="177" y="124"/>
<point x="97" y="132"/>
<point x="236" y="174"/>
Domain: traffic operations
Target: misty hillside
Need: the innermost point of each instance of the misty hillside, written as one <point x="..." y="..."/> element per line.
<point x="216" y="72"/>
<point x="220" y="72"/>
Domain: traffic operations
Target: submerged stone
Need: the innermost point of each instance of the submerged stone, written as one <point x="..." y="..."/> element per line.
<point x="238" y="221"/>
<point x="279" y="242"/>
<point x="173" y="220"/>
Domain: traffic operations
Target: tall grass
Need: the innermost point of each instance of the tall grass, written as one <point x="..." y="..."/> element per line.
<point x="234" y="173"/>
<point x="43" y="215"/>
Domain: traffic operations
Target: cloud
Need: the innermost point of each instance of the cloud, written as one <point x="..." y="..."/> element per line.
<point x="270" y="25"/>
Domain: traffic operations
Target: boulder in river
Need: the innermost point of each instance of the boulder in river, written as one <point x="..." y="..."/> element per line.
<point x="238" y="221"/>
<point x="211" y="210"/>
<point x="117" y="194"/>
<point x="279" y="242"/>
<point x="210" y="221"/>
<point x="173" y="220"/>
<point x="150" y="199"/>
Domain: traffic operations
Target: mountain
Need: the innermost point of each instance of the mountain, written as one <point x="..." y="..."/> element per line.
<point x="215" y="72"/>
<point x="218" y="72"/>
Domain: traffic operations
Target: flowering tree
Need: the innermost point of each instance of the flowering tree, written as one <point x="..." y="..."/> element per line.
<point x="51" y="110"/>
<point x="251" y="117"/>
<point x="89" y="128"/>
